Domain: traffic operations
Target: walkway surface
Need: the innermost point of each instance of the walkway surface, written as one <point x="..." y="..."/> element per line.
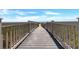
<point x="38" y="39"/>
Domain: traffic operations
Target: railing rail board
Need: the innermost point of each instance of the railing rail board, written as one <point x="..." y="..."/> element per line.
<point x="68" y="32"/>
<point x="14" y="31"/>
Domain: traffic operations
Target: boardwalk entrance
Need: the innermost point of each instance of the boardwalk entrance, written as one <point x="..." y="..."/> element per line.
<point x="39" y="38"/>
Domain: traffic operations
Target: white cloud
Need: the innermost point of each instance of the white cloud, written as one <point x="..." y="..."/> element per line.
<point x="36" y="18"/>
<point x="7" y="11"/>
<point x="24" y="13"/>
<point x="64" y="18"/>
<point x="31" y="12"/>
<point x="4" y="11"/>
<point x="31" y="18"/>
<point x="27" y="18"/>
<point x="42" y="18"/>
<point x="52" y="13"/>
<point x="20" y="13"/>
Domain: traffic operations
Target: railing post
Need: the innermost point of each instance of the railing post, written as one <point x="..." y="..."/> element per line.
<point x="7" y="38"/>
<point x="1" y="39"/>
<point x="30" y="26"/>
<point x="78" y="31"/>
<point x="16" y="33"/>
<point x="11" y="38"/>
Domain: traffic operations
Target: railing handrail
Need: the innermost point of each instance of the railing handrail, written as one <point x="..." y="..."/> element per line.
<point x="67" y="31"/>
<point x="14" y="31"/>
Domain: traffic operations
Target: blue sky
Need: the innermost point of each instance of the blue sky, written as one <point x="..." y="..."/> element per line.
<point x="40" y="15"/>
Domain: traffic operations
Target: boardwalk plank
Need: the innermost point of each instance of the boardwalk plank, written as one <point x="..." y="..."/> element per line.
<point x="38" y="39"/>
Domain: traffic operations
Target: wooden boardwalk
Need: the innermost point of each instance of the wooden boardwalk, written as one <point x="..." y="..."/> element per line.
<point x="38" y="39"/>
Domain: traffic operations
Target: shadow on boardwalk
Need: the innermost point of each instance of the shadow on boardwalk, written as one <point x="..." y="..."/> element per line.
<point x="56" y="42"/>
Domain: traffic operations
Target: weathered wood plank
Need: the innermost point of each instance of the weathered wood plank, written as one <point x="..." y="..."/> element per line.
<point x="38" y="39"/>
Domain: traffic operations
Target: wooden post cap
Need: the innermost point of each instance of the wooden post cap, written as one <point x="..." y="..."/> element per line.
<point x="78" y="19"/>
<point x="0" y="19"/>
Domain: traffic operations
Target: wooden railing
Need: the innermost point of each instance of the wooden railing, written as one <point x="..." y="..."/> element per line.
<point x="1" y="39"/>
<point x="13" y="32"/>
<point x="66" y="33"/>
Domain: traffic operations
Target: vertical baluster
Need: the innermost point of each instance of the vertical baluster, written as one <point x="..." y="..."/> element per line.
<point x="16" y="34"/>
<point x="73" y="36"/>
<point x="28" y="28"/>
<point x="69" y="36"/>
<point x="4" y="38"/>
<point x="1" y="38"/>
<point x="7" y="38"/>
<point x="76" y="36"/>
<point x="20" y="32"/>
<point x="11" y="44"/>
<point x="78" y="32"/>
<point x="13" y="35"/>
<point x="64" y="34"/>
